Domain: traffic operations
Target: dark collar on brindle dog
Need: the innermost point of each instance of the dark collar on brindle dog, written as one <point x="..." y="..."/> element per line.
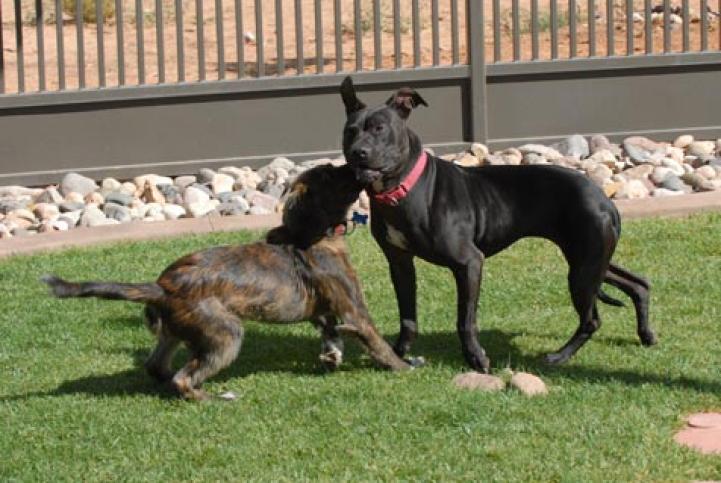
<point x="393" y="196"/>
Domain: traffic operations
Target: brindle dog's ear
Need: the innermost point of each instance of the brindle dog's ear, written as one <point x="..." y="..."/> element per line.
<point x="405" y="100"/>
<point x="350" y="100"/>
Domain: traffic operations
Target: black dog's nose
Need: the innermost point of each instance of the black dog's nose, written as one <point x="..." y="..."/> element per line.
<point x="360" y="154"/>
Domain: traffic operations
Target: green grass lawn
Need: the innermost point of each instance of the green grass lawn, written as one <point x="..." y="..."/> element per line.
<point x="75" y="403"/>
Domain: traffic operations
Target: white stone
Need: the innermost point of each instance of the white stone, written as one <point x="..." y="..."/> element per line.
<point x="19" y="192"/>
<point x="110" y="184"/>
<point x="74" y="197"/>
<point x="202" y="208"/>
<point x="545" y="151"/>
<point x="154" y="179"/>
<point x="173" y="212"/>
<point x="46" y="211"/>
<point x="683" y="141"/>
<point x="633" y="189"/>
<point x="701" y="148"/>
<point x="707" y="172"/>
<point x="222" y="183"/>
<point x="662" y="192"/>
<point x="675" y="167"/>
<point x="194" y="195"/>
<point x="659" y="174"/>
<point x="479" y="150"/>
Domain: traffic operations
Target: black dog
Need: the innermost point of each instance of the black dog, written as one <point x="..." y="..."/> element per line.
<point x="456" y="217"/>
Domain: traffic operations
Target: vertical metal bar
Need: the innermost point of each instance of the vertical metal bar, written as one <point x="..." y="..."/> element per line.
<point x="686" y="24"/>
<point x="220" y="38"/>
<point x="120" y="38"/>
<point x="610" y="41"/>
<point x="415" y="13"/>
<point x="704" y="25"/>
<point x="629" y="27"/>
<point x="299" y="54"/>
<point x="140" y="40"/>
<point x="572" y="48"/>
<point x="455" y="50"/>
<point x="477" y="65"/>
<point x="40" y="28"/>
<point x="554" y="29"/>
<point x="357" y="28"/>
<point x="200" y="32"/>
<point x="259" y="48"/>
<point x="534" y="30"/>
<point x="159" y="40"/>
<point x="496" y="30"/>
<point x="80" y="31"/>
<point x="19" y="49"/>
<point x="2" y="53"/>
<point x="397" y="33"/>
<point x="318" y="37"/>
<point x="179" y="40"/>
<point x="337" y="30"/>
<point x="377" y="54"/>
<point x="239" y="38"/>
<point x="591" y="28"/>
<point x="718" y="9"/>
<point x="516" y="25"/>
<point x="99" y="24"/>
<point x="667" y="25"/>
<point x="280" y="43"/>
<point x="435" y="27"/>
<point x="648" y="26"/>
<point x="59" y="43"/>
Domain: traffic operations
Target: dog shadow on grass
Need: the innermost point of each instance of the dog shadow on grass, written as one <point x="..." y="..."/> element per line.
<point x="274" y="352"/>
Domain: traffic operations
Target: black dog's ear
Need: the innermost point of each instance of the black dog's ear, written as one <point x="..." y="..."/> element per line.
<point x="350" y="100"/>
<point x="405" y="100"/>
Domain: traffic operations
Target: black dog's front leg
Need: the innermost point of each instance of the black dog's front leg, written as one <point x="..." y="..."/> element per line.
<point x="468" y="285"/>
<point x="403" y="276"/>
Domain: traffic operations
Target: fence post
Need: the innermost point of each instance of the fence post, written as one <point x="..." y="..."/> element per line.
<point x="477" y="66"/>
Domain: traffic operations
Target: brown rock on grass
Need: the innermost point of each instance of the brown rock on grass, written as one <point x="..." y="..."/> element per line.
<point x="478" y="381"/>
<point x="528" y="384"/>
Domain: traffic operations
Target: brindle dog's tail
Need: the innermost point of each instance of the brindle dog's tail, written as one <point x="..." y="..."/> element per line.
<point x="150" y="293"/>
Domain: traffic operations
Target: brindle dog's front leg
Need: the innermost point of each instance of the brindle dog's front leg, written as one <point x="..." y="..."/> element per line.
<point x="468" y="273"/>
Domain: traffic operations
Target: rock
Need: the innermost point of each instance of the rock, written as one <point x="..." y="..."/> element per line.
<point x="495" y="160"/>
<point x="683" y="141"/>
<point x="4" y="232"/>
<point x="129" y="188"/>
<point x="468" y="160"/>
<point x="248" y="180"/>
<point x="575" y="146"/>
<point x="706" y="171"/>
<point x="110" y="184"/>
<point x="117" y="212"/>
<point x="173" y="212"/>
<point x="547" y="152"/>
<point x="19" y="192"/>
<point x="22" y="213"/>
<point x="605" y="157"/>
<point x="677" y="154"/>
<point x="612" y="188"/>
<point x="259" y="210"/>
<point x="659" y="174"/>
<point x="273" y="189"/>
<point x="222" y="183"/>
<point x="701" y="148"/>
<point x="675" y="19"/>
<point x="599" y="142"/>
<point x="262" y="200"/>
<point x="663" y="192"/>
<point x="698" y="182"/>
<point x="153" y="179"/>
<point x="643" y="150"/>
<point x="480" y="151"/>
<point x="633" y="189"/>
<point x="202" y="208"/>
<point x="54" y="225"/>
<point x="533" y="158"/>
<point x="183" y="182"/>
<point x="93" y="216"/>
<point x="70" y="221"/>
<point x="205" y="175"/>
<point x="77" y="183"/>
<point x="47" y="211"/>
<point x="71" y="206"/>
<point x="478" y="381"/>
<point x="119" y="198"/>
<point x="94" y="198"/>
<point x="8" y="205"/>
<point x="154" y="210"/>
<point x="50" y="195"/>
<point x="528" y="384"/>
<point x="705" y="420"/>
<point x="171" y="193"/>
<point x="232" y="209"/>
<point x="638" y="18"/>
<point x="232" y="171"/>
<point x="193" y="195"/>
<point x="642" y="171"/>
<point x="279" y="162"/>
<point x="151" y="193"/>
<point x="21" y="232"/>
<point x="675" y="167"/>
<point x="512" y="156"/>
<point x="600" y="174"/>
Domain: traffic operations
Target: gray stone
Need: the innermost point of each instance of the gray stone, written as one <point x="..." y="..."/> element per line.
<point x="599" y="142"/>
<point x="528" y="384"/>
<point x="715" y="162"/>
<point x="71" y="206"/>
<point x="643" y="150"/>
<point x="230" y="209"/>
<point x="663" y="192"/>
<point x="698" y="182"/>
<point x="259" y="210"/>
<point x="545" y="151"/>
<point x="74" y="182"/>
<point x="19" y="192"/>
<point x="184" y="181"/>
<point x="50" y="195"/>
<point x="117" y="212"/>
<point x="479" y="382"/>
<point x="534" y="158"/>
<point x="265" y="201"/>
<point x="8" y="205"/>
<point x="659" y="174"/>
<point x="118" y="198"/>
<point x="675" y="167"/>
<point x="233" y="171"/>
<point x="206" y="175"/>
<point x="173" y="212"/>
<point x="272" y="189"/>
<point x="172" y="193"/>
<point x="673" y="183"/>
<point x="71" y="222"/>
<point x="575" y="146"/>
<point x="154" y="210"/>
<point x="93" y="216"/>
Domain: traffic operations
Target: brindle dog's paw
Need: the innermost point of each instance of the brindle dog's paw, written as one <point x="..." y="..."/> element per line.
<point x="415" y="362"/>
<point x="331" y="359"/>
<point x="228" y="396"/>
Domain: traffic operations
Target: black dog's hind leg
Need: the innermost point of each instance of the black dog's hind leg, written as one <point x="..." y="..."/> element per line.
<point x="403" y="276"/>
<point x="637" y="288"/>
<point x="468" y="274"/>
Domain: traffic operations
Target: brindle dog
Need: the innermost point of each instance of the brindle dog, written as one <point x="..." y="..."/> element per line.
<point x="302" y="272"/>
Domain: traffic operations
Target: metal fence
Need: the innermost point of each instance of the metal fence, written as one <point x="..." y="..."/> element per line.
<point x="484" y="60"/>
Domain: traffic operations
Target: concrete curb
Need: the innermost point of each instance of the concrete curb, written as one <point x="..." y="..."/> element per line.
<point x="642" y="208"/>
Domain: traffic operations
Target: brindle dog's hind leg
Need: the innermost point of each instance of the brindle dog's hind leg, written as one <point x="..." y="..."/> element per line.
<point x="331" y="349"/>
<point x="213" y="349"/>
<point x="160" y="360"/>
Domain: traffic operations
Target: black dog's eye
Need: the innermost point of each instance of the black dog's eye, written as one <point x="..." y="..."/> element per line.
<point x="378" y="128"/>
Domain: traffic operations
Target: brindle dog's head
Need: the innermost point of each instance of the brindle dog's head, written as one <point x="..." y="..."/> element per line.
<point x="376" y="141"/>
<point x="317" y="201"/>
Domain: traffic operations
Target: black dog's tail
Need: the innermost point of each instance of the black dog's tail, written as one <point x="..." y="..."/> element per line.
<point x="135" y="292"/>
<point x="607" y="299"/>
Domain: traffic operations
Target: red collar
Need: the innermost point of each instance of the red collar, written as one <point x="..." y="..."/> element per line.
<point x="395" y="195"/>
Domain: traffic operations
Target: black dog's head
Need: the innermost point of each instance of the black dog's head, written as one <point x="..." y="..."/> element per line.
<point x="318" y="201"/>
<point x="377" y="142"/>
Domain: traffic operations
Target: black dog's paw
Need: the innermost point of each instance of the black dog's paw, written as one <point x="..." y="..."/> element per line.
<point x="555" y="358"/>
<point x="415" y="362"/>
<point x="648" y="338"/>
